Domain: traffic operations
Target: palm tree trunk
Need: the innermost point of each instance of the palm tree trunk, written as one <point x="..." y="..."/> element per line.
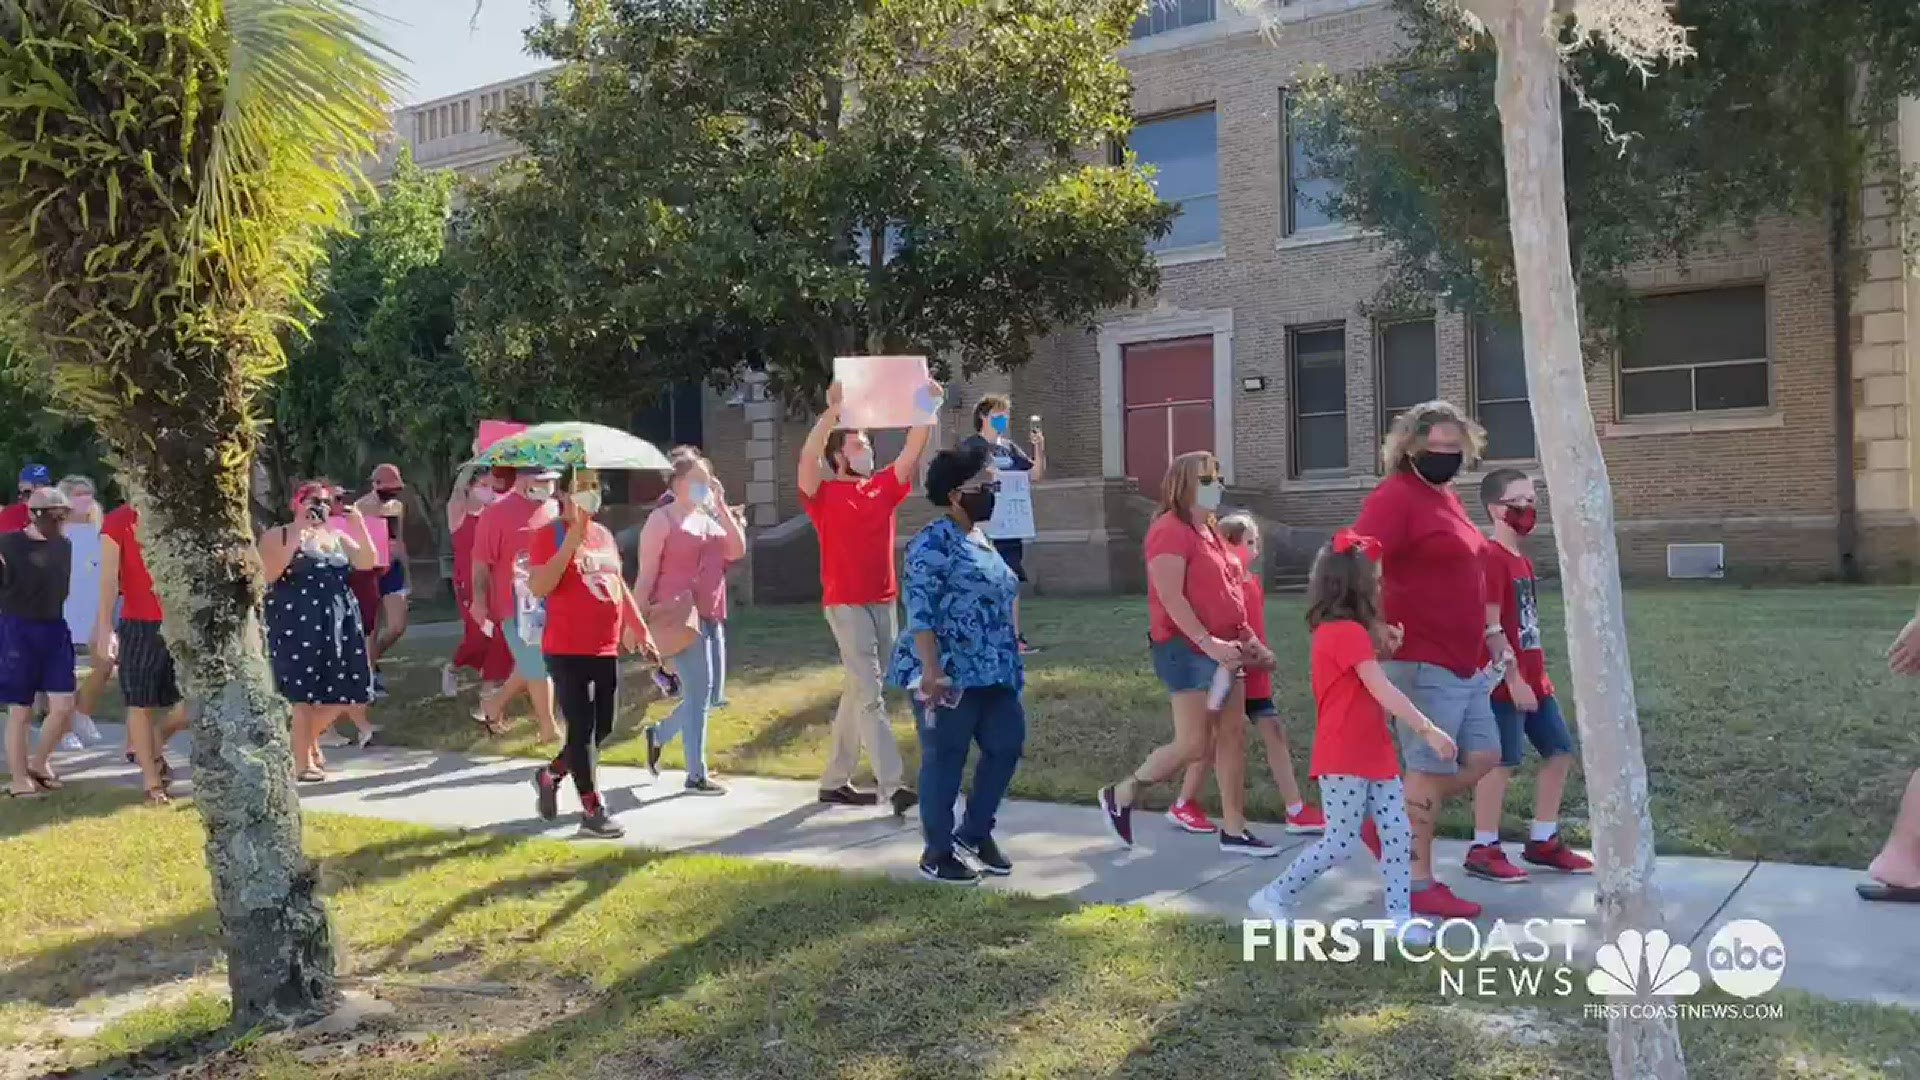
<point x="191" y="479"/>
<point x="1529" y="98"/>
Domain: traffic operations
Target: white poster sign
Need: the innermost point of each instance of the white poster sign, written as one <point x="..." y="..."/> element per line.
<point x="83" y="588"/>
<point x="885" y="392"/>
<point x="1013" y="509"/>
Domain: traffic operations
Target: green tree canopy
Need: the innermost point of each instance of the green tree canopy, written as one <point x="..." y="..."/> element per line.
<point x="1755" y="124"/>
<point x="716" y="184"/>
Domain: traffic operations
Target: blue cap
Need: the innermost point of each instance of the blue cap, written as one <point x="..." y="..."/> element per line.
<point x="37" y="475"/>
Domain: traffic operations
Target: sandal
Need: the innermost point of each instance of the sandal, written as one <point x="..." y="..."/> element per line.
<point x="157" y="796"/>
<point x="495" y="728"/>
<point x="36" y="793"/>
<point x="311" y="776"/>
<point x="1881" y="892"/>
<point x="45" y="781"/>
<point x="166" y="770"/>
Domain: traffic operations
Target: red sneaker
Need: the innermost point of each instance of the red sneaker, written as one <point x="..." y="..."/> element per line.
<point x="1554" y="854"/>
<point x="1488" y="862"/>
<point x="1370" y="836"/>
<point x="1189" y="817"/>
<point x="1436" y="901"/>
<point x="1308" y="820"/>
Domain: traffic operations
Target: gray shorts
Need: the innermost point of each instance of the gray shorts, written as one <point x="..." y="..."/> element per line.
<point x="1460" y="707"/>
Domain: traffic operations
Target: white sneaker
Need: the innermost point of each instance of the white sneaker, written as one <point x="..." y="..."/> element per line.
<point x="72" y="742"/>
<point x="1263" y="904"/>
<point x="88" y="731"/>
<point x="449" y="682"/>
<point x="333" y="740"/>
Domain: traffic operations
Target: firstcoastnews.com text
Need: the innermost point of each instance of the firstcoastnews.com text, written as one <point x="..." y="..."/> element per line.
<point x="1685" y="1010"/>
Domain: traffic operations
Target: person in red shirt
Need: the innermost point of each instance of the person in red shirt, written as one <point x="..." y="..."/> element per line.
<point x="1434" y="589"/>
<point x="476" y="652"/>
<point x="1353" y="755"/>
<point x="1242" y="536"/>
<point x="591" y="618"/>
<point x="148" y="682"/>
<point x="16" y="517"/>
<point x="852" y="508"/>
<point x="1200" y="636"/>
<point x="1523" y="704"/>
<point x="499" y="561"/>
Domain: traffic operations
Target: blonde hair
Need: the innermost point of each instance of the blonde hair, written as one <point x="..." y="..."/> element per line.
<point x="1238" y="527"/>
<point x="72" y="484"/>
<point x="1182" y="483"/>
<point x="1408" y="435"/>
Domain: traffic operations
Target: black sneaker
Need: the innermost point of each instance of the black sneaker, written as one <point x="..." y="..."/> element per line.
<point x="1119" y="818"/>
<point x="948" y="870"/>
<point x="848" y="795"/>
<point x="704" y="786"/>
<point x="653" y="748"/>
<point x="903" y="800"/>
<point x="546" y="793"/>
<point x="599" y="826"/>
<point x="1246" y="844"/>
<point x="987" y="854"/>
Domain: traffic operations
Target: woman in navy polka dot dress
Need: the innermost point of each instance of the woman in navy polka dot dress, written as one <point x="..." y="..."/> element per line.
<point x="315" y="640"/>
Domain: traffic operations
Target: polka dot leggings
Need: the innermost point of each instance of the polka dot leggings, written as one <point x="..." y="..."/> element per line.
<point x="1349" y="800"/>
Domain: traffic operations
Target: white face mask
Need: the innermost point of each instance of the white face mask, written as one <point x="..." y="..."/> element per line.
<point x="588" y="501"/>
<point x="485" y="496"/>
<point x="540" y="492"/>
<point x="1209" y="496"/>
<point x="861" y="462"/>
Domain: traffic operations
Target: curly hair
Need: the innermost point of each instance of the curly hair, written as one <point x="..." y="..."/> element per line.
<point x="1408" y="435"/>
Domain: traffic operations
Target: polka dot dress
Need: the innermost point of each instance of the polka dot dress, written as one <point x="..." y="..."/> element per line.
<point x="314" y="637"/>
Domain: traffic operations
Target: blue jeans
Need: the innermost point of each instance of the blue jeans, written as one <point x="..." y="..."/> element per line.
<point x="994" y="718"/>
<point x="1545" y="728"/>
<point x="719" y="695"/>
<point x="700" y="667"/>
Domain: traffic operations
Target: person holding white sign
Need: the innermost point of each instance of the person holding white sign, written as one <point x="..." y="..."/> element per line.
<point x="852" y="506"/>
<point x="991" y="419"/>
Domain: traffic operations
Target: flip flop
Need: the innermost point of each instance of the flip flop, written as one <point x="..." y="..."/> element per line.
<point x="1880" y="891"/>
<point x="46" y="781"/>
<point x="34" y="794"/>
<point x="495" y="728"/>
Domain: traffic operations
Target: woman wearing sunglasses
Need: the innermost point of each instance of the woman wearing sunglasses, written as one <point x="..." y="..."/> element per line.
<point x="1198" y="627"/>
<point x="960" y="657"/>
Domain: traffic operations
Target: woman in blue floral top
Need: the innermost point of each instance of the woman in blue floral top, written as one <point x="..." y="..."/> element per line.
<point x="961" y="658"/>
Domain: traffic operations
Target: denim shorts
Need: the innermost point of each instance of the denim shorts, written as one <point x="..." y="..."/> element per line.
<point x="1545" y="728"/>
<point x="528" y="661"/>
<point x="1182" y="669"/>
<point x="1460" y="707"/>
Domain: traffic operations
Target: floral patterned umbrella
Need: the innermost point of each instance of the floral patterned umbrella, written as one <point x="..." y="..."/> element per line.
<point x="573" y="444"/>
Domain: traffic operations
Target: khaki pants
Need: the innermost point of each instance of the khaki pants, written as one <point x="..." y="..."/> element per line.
<point x="865" y="634"/>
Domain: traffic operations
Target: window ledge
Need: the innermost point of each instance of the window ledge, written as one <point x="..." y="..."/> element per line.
<point x="1698" y="424"/>
<point x="1195" y="254"/>
<point x="1331" y="482"/>
<point x="1331" y="234"/>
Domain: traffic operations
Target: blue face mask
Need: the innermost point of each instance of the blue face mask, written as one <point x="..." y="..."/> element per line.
<point x="998" y="424"/>
<point x="697" y="493"/>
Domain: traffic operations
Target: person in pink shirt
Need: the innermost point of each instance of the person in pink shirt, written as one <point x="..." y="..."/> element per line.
<point x="499" y="562"/>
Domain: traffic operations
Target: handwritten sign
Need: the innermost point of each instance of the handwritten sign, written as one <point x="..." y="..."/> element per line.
<point x="885" y="392"/>
<point x="1013" y="509"/>
<point x="376" y="527"/>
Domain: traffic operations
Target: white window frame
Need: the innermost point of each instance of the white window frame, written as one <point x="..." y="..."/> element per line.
<point x="1473" y="386"/>
<point x="1207" y="249"/>
<point x="1621" y="371"/>
<point x="1164" y="326"/>
<point x="1294" y="415"/>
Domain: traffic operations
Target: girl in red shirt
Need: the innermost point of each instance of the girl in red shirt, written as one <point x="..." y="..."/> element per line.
<point x="1353" y="754"/>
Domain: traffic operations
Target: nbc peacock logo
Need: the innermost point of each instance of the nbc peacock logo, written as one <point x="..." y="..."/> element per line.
<point x="1650" y="963"/>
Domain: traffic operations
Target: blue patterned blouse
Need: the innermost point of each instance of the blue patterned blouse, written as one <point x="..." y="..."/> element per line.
<point x="959" y="587"/>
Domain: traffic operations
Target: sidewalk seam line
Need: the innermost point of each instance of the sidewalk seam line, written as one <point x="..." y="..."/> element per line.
<point x="1752" y="869"/>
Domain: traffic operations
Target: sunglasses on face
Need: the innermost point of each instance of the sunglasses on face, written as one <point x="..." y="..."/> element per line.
<point x="984" y="485"/>
<point x="1209" y="481"/>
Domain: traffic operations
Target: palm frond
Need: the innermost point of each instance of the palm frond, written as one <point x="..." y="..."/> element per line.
<point x="308" y="87"/>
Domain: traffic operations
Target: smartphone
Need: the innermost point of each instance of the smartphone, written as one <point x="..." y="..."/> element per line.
<point x="1033" y="426"/>
<point x="667" y="681"/>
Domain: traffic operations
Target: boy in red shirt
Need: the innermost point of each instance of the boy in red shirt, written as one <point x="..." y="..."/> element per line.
<point x="1353" y="755"/>
<point x="1524" y="703"/>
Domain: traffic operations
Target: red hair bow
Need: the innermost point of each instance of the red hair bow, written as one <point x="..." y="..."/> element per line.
<point x="1347" y="541"/>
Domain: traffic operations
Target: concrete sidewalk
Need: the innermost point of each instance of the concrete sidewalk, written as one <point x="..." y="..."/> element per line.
<point x="1838" y="945"/>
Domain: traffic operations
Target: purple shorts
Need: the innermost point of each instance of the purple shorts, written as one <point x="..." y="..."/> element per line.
<point x="35" y="658"/>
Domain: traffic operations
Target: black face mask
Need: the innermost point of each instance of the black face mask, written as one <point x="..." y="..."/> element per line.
<point x="387" y="494"/>
<point x="1437" y="468"/>
<point x="977" y="505"/>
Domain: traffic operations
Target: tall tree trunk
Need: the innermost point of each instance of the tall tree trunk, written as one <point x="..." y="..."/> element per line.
<point x="190" y="475"/>
<point x="1529" y="98"/>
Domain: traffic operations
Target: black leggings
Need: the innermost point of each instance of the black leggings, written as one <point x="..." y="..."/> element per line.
<point x="586" y="688"/>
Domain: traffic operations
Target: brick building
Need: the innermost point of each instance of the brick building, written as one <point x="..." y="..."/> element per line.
<point x="1718" y="428"/>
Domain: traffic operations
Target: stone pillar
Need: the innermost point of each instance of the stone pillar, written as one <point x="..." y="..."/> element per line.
<point x="763" y="510"/>
<point x="1884" y="451"/>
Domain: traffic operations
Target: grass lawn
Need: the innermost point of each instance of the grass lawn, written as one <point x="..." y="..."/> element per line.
<point x="517" y="958"/>
<point x="1772" y="727"/>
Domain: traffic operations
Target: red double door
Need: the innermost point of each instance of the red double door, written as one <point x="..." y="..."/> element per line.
<point x="1167" y="399"/>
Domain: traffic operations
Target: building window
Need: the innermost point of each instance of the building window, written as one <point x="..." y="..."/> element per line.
<point x="1700" y="351"/>
<point x="1164" y="15"/>
<point x="1500" y="390"/>
<point x="1408" y="366"/>
<point x="1184" y="152"/>
<point x="1307" y="191"/>
<point x="1319" y="357"/>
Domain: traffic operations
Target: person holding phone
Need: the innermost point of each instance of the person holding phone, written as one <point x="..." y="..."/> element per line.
<point x="591" y="619"/>
<point x="959" y="656"/>
<point x="992" y="419"/>
<point x="315" y="641"/>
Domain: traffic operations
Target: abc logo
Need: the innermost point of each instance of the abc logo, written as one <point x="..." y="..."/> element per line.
<point x="1746" y="958"/>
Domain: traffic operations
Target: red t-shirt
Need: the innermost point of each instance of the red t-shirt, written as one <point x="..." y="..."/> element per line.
<point x="1259" y="683"/>
<point x="1213" y="584"/>
<point x="1510" y="584"/>
<point x="499" y="541"/>
<point x="1432" y="583"/>
<point x="15" y="518"/>
<point x="854" y="520"/>
<point x="137" y="602"/>
<point x="585" y="609"/>
<point x="1350" y="735"/>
